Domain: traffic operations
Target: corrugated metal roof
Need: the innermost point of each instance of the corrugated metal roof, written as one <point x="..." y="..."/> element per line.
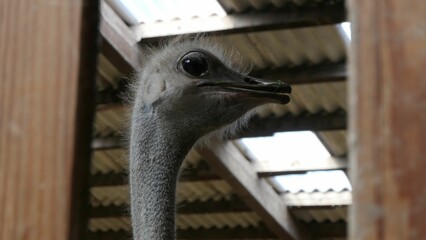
<point x="295" y="47"/>
<point x="317" y="198"/>
<point x="334" y="214"/>
<point x="184" y="221"/>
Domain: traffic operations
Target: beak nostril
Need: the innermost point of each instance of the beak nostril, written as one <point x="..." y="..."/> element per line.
<point x="251" y="81"/>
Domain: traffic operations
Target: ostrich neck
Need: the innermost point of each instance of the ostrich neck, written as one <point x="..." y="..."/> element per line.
<point x="157" y="150"/>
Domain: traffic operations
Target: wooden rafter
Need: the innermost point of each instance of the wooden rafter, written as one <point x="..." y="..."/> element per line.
<point x="260" y="232"/>
<point x="257" y="193"/>
<point x="119" y="44"/>
<point x="321" y="230"/>
<point x="319" y="73"/>
<point x="275" y="168"/>
<point x="260" y="127"/>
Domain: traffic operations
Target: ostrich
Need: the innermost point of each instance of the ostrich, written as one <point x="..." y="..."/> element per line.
<point x="186" y="90"/>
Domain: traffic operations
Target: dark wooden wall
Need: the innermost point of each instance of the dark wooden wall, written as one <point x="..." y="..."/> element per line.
<point x="388" y="119"/>
<point x="47" y="67"/>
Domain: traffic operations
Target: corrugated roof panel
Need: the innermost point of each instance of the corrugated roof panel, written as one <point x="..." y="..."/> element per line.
<point x="108" y="224"/>
<point x="110" y="121"/>
<point x="204" y="191"/>
<point x="333" y="214"/>
<point x="217" y="220"/>
<point x="309" y="98"/>
<point x="329" y="198"/>
<point x="108" y="72"/>
<point x="290" y="47"/>
<point x="106" y="196"/>
<point x="322" y="181"/>
<point x="109" y="161"/>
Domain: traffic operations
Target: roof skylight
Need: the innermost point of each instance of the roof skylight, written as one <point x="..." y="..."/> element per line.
<point x="347" y="29"/>
<point x="298" y="146"/>
<point x="150" y="11"/>
<point x="288" y="146"/>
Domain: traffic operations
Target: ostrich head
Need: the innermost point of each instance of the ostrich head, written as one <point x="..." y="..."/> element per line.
<point x="201" y="87"/>
<point x="185" y="90"/>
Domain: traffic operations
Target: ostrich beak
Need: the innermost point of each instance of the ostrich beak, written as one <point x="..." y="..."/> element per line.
<point x="276" y="91"/>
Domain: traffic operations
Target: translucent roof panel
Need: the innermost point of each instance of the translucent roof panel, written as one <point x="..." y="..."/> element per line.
<point x="288" y="146"/>
<point x="150" y="11"/>
<point x="347" y="29"/>
<point x="321" y="181"/>
<point x="297" y="146"/>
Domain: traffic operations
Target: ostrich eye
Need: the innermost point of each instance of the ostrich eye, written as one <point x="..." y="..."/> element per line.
<point x="195" y="64"/>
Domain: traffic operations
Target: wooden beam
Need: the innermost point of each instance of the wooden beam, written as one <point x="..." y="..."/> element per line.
<point x="119" y="44"/>
<point x="247" y="22"/>
<point x="387" y="90"/>
<point x="276" y="168"/>
<point x="48" y="55"/>
<point x="257" y="193"/>
<point x="319" y="230"/>
<point x="260" y="232"/>
<point x="259" y="127"/>
<point x="328" y="230"/>
<point x="319" y="73"/>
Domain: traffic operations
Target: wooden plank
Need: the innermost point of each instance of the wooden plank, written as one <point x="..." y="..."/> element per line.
<point x="247" y="22"/>
<point x="276" y="168"/>
<point x="260" y="232"/>
<point x="47" y="70"/>
<point x="119" y="44"/>
<point x="387" y="119"/>
<point x="268" y="126"/>
<point x="257" y="193"/>
<point x="328" y="230"/>
<point x="319" y="73"/>
<point x="322" y="230"/>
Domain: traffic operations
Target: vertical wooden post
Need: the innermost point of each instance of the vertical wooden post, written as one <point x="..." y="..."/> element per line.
<point x="47" y="67"/>
<point x="387" y="88"/>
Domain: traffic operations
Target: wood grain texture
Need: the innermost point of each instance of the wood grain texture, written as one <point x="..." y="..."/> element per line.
<point x="388" y="119"/>
<point x="47" y="67"/>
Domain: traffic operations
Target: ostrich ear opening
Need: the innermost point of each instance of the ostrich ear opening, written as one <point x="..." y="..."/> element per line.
<point x="153" y="89"/>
